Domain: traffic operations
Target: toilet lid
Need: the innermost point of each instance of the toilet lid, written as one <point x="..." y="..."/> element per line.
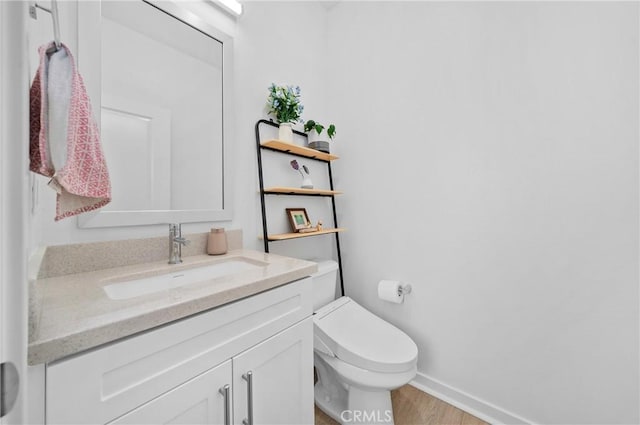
<point x="360" y="338"/>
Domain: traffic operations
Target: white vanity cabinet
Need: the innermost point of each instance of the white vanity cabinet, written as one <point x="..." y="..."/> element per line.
<point x="261" y="347"/>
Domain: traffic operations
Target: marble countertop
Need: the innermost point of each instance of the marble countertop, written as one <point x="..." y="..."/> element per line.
<point x="72" y="313"/>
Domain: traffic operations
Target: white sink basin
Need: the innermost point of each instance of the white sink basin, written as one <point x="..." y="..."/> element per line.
<point x="149" y="285"/>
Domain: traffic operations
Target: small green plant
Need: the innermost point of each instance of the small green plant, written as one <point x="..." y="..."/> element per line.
<point x="312" y="125"/>
<point x="284" y="103"/>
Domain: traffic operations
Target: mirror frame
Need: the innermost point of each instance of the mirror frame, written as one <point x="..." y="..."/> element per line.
<point x="90" y="64"/>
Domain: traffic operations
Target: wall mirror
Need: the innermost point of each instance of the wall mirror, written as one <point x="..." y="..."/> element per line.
<point x="163" y="78"/>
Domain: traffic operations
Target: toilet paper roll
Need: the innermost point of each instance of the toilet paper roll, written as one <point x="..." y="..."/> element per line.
<point x="389" y="290"/>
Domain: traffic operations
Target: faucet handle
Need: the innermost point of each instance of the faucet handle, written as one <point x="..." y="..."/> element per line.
<point x="182" y="241"/>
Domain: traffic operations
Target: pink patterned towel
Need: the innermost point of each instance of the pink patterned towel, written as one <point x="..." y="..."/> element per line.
<point x="64" y="138"/>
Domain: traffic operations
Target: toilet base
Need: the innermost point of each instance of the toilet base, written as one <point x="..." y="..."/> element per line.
<point x="332" y="406"/>
<point x="330" y="396"/>
<point x="348" y="404"/>
<point x="363" y="407"/>
<point x="369" y="407"/>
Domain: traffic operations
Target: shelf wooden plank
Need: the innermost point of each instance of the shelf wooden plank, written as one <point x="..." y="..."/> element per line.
<point x="300" y="191"/>
<point x="281" y="146"/>
<point x="285" y="236"/>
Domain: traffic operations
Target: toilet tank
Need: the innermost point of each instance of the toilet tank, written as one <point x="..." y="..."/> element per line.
<point x="324" y="283"/>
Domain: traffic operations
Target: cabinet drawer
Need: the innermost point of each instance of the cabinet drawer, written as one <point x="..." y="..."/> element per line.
<point x="103" y="384"/>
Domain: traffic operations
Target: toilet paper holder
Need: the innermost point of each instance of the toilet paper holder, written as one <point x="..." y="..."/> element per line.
<point x="404" y="289"/>
<point x="393" y="291"/>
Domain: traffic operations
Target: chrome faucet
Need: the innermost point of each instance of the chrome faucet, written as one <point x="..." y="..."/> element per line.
<point x="175" y="243"/>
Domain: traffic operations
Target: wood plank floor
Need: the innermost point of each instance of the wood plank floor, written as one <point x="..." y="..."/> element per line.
<point x="414" y="407"/>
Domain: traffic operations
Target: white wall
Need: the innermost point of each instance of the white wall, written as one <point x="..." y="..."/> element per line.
<point x="490" y="158"/>
<point x="283" y="43"/>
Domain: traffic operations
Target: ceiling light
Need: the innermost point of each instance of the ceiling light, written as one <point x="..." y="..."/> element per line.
<point x="232" y="6"/>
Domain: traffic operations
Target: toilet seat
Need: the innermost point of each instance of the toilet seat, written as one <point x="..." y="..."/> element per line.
<point x="358" y="337"/>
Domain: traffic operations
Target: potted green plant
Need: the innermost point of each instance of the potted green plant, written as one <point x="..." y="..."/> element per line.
<point x="284" y="104"/>
<point x="318" y="140"/>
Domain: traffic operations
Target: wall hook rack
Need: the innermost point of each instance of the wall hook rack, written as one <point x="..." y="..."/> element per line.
<point x="33" y="12"/>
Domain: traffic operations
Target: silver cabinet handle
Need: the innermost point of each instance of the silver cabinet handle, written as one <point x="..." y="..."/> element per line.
<point x="249" y="378"/>
<point x="227" y="409"/>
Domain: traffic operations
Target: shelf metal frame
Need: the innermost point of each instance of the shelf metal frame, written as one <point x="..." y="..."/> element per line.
<point x="265" y="232"/>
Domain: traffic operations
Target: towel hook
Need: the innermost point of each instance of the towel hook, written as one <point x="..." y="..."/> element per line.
<point x="54" y="16"/>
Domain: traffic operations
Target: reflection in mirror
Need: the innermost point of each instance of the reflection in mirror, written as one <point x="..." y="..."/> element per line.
<point x="162" y="121"/>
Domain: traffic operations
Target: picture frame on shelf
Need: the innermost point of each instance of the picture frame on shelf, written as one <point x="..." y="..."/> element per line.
<point x="298" y="219"/>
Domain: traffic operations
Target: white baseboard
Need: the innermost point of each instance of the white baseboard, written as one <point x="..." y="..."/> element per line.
<point x="470" y="404"/>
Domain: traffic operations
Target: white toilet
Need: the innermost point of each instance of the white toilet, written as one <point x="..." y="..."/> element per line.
<point x="359" y="358"/>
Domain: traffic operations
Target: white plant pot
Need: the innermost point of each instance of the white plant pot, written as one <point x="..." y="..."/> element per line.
<point x="313" y="136"/>
<point x="285" y="132"/>
<point x="318" y="142"/>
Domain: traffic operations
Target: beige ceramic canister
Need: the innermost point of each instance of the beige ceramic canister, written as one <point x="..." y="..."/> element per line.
<point x="217" y="243"/>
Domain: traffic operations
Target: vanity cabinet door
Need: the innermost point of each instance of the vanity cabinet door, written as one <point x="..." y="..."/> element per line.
<point x="197" y="401"/>
<point x="281" y="378"/>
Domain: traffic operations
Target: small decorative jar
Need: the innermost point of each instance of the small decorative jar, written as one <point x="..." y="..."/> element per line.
<point x="217" y="242"/>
